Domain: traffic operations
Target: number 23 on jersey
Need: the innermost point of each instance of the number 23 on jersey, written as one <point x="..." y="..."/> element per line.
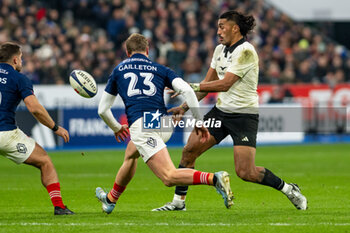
<point x="132" y="90"/>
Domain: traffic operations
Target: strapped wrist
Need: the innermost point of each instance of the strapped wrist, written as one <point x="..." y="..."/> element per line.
<point x="55" y="127"/>
<point x="183" y="107"/>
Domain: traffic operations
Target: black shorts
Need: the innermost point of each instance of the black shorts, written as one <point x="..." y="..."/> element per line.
<point x="242" y="127"/>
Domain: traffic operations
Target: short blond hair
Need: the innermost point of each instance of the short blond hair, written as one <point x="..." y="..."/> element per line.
<point x="136" y="43"/>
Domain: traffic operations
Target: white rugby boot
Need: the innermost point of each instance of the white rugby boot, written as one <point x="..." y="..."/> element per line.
<point x="295" y="196"/>
<point x="102" y="197"/>
<point x="223" y="187"/>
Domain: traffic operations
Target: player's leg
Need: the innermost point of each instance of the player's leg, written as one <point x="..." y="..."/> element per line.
<point x="192" y="150"/>
<point x="244" y="157"/>
<point x="39" y="159"/>
<point x="162" y="166"/>
<point x="243" y="129"/>
<point x="125" y="173"/>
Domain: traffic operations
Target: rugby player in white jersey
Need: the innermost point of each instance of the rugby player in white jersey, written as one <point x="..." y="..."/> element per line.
<point x="233" y="73"/>
<point x="14" y="144"/>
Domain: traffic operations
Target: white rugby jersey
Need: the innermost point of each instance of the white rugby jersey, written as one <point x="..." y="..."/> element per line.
<point x="242" y="60"/>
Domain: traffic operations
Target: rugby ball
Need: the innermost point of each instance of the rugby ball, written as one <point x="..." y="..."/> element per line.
<point x="83" y="83"/>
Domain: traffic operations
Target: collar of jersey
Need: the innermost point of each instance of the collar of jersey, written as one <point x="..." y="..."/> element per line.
<point x="139" y="55"/>
<point x="7" y="66"/>
<point x="235" y="45"/>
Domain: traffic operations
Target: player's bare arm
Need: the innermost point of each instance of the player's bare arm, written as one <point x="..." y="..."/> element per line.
<point x="40" y="113"/>
<point x="222" y="85"/>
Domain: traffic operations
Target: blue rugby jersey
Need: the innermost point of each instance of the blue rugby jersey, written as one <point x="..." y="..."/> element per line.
<point x="140" y="83"/>
<point x="14" y="87"/>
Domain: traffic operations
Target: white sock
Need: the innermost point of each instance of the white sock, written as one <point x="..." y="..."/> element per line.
<point x="177" y="200"/>
<point x="286" y="188"/>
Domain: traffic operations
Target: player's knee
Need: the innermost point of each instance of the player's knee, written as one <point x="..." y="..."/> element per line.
<point x="189" y="155"/>
<point x="168" y="179"/>
<point x="245" y="174"/>
<point x="167" y="182"/>
<point x="45" y="161"/>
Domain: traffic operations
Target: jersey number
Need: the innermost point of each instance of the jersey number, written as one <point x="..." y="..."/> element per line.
<point x="147" y="81"/>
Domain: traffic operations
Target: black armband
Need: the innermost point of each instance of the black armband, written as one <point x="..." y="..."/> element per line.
<point x="55" y="128"/>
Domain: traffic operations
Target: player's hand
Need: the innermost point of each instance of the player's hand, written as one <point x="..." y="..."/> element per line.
<point x="172" y="92"/>
<point x="122" y="134"/>
<point x="203" y="133"/>
<point x="177" y="112"/>
<point x="62" y="132"/>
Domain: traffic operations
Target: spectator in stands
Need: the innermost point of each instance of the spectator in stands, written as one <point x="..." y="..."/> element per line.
<point x="72" y="29"/>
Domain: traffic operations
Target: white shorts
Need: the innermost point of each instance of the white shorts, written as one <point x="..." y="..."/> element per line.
<point x="148" y="142"/>
<point x="16" y="145"/>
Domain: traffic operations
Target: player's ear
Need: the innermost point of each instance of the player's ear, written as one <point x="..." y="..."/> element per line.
<point x="235" y="28"/>
<point x="147" y="51"/>
<point x="15" y="59"/>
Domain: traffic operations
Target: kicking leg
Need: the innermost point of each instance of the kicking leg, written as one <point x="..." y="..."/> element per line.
<point x="244" y="157"/>
<point x="163" y="168"/>
<point x="125" y="174"/>
<point x="192" y="150"/>
<point x="49" y="178"/>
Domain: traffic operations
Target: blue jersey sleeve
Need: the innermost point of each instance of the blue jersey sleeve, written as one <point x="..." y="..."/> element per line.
<point x="171" y="75"/>
<point x="25" y="86"/>
<point x="111" y="86"/>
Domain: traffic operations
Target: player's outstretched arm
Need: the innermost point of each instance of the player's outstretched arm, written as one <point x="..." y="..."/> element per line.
<point x="40" y="113"/>
<point x="222" y="85"/>
<point x="211" y="76"/>
<point x="184" y="89"/>
<point x="121" y="132"/>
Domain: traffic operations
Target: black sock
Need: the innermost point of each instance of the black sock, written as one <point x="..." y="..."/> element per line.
<point x="215" y="180"/>
<point x="272" y="180"/>
<point x="181" y="190"/>
<point x="108" y="201"/>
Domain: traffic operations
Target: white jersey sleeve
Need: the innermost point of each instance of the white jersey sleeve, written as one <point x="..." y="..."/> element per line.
<point x="216" y="55"/>
<point x="184" y="89"/>
<point x="104" y="110"/>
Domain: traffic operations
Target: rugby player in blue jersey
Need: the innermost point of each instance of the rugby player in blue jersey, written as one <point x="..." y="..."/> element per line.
<point x="141" y="83"/>
<point x="14" y="144"/>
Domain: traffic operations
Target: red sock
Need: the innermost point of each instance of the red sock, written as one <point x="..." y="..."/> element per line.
<point x="200" y="177"/>
<point x="117" y="191"/>
<point x="54" y="191"/>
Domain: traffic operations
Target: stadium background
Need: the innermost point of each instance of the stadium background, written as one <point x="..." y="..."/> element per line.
<point x="304" y="90"/>
<point x="302" y="65"/>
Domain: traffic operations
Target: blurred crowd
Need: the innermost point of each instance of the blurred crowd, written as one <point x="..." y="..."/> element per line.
<point x="60" y="36"/>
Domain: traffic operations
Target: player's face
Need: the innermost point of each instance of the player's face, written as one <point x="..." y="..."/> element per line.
<point x="18" y="64"/>
<point x="226" y="31"/>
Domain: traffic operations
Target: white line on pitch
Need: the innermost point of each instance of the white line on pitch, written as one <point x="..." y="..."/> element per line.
<point x="170" y="224"/>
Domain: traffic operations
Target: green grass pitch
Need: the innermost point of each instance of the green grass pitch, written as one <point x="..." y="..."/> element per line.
<point x="322" y="171"/>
